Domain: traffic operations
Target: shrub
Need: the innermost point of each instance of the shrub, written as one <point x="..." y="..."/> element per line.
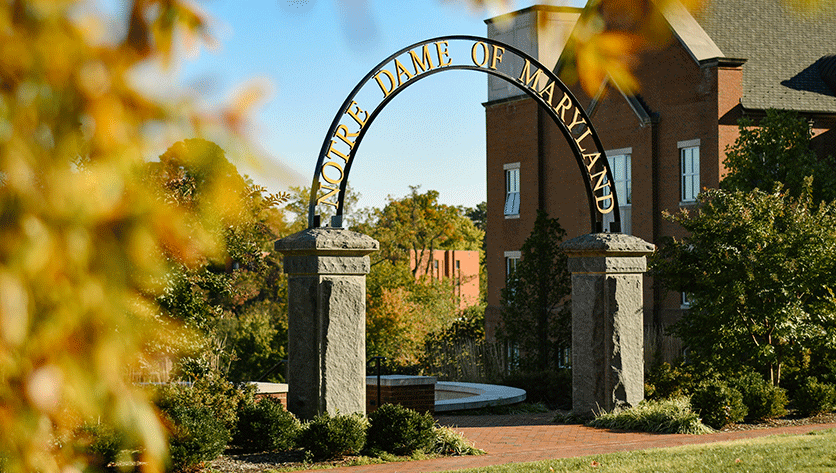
<point x="665" y="381"/>
<point x="401" y="431"/>
<point x="717" y="403"/>
<point x="814" y="397"/>
<point x="670" y="416"/>
<point x="210" y="390"/>
<point x="266" y="426"/>
<point x="553" y="387"/>
<point x="762" y="399"/>
<point x="333" y="437"/>
<point x="196" y="436"/>
<point x="449" y="442"/>
<point x="100" y="443"/>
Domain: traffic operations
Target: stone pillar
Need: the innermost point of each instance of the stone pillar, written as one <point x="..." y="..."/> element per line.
<point x="607" y="320"/>
<point x="326" y="296"/>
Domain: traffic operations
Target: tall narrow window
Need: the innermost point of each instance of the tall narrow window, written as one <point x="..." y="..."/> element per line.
<point x="512" y="189"/>
<point x="689" y="166"/>
<point x="621" y="164"/>
<point x="512" y="258"/>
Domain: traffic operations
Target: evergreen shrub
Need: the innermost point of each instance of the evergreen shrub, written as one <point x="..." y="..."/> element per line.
<point x="210" y="390"/>
<point x="814" y="397"/>
<point x="400" y="431"/>
<point x="717" y="403"/>
<point x="266" y="426"/>
<point x="665" y="382"/>
<point x="196" y="436"/>
<point x="100" y="443"/>
<point x="327" y="437"/>
<point x="762" y="399"/>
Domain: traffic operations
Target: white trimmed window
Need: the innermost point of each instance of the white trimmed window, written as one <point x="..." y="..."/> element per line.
<point x="512" y="190"/>
<point x="686" y="300"/>
<point x="512" y="258"/>
<point x="689" y="170"/>
<point x="621" y="165"/>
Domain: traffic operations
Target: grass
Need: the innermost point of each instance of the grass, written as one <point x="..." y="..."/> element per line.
<point x="813" y="452"/>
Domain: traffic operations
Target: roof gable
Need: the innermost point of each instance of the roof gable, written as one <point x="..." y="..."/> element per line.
<point x="783" y="48"/>
<point x="689" y="32"/>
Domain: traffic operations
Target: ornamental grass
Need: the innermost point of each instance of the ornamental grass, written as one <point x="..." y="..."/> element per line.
<point x="669" y="416"/>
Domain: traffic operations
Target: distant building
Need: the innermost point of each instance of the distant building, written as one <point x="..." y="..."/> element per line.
<point x="460" y="267"/>
<point x="733" y="59"/>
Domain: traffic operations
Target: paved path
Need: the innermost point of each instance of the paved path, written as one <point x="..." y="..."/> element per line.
<point x="532" y="437"/>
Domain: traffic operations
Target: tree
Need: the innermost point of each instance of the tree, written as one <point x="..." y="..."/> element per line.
<point x="403" y="309"/>
<point x="419" y="224"/>
<point x="300" y="198"/>
<point x="759" y="269"/>
<point x="478" y="215"/>
<point x="777" y="151"/>
<point x="234" y="297"/>
<point x="535" y="315"/>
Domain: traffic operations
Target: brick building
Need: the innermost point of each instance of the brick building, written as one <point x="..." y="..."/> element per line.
<point x="460" y="266"/>
<point x="734" y="58"/>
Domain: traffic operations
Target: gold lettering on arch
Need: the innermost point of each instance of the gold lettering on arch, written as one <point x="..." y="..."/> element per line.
<point x="486" y="55"/>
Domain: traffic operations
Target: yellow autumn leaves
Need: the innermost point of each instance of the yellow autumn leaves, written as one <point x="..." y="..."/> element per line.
<point x="85" y="243"/>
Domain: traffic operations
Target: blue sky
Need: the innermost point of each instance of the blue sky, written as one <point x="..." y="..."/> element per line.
<point x="314" y="52"/>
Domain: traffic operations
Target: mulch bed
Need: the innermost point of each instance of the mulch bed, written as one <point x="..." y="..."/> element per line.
<point x="783" y="422"/>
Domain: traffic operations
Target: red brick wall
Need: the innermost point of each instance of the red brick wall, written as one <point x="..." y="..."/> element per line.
<point x="512" y="131"/>
<point x="467" y="276"/>
<point x="419" y="398"/>
<point x="688" y="99"/>
<point x="280" y="396"/>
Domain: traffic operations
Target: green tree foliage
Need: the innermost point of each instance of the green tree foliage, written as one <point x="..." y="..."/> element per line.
<point x="479" y="215"/>
<point x="300" y="199"/>
<point x="232" y="296"/>
<point x="403" y="307"/>
<point x="535" y="315"/>
<point x="777" y="151"/>
<point x="418" y="223"/>
<point x="759" y="268"/>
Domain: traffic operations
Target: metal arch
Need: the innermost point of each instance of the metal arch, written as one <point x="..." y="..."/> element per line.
<point x="595" y="216"/>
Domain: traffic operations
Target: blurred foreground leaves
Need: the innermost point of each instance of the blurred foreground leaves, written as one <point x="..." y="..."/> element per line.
<point x="83" y="239"/>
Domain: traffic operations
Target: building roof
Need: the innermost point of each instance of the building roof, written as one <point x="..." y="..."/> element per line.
<point x="788" y="55"/>
<point x="787" y="51"/>
<point x="689" y="32"/>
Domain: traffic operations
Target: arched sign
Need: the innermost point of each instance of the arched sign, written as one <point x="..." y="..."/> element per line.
<point x="431" y="56"/>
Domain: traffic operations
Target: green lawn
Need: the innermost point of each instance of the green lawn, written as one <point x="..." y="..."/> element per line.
<point x="814" y="452"/>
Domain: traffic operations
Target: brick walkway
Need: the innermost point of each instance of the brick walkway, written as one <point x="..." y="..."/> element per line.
<point x="533" y="437"/>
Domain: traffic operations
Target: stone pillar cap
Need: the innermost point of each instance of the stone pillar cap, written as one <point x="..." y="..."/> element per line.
<point x="327" y="240"/>
<point x="599" y="244"/>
